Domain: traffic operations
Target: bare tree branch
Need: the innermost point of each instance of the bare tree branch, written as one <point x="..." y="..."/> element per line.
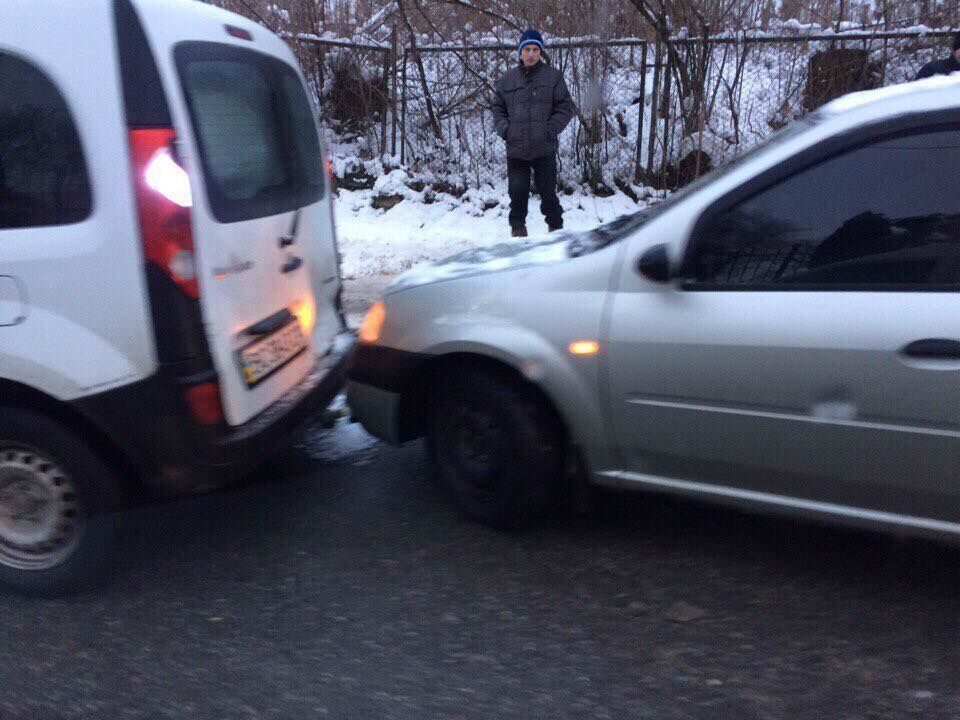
<point x="483" y="11"/>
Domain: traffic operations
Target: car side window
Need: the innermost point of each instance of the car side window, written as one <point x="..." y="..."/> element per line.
<point x="886" y="213"/>
<point x="43" y="177"/>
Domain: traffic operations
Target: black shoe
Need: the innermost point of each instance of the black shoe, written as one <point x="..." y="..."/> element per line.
<point x="554" y="228"/>
<point x="518" y="232"/>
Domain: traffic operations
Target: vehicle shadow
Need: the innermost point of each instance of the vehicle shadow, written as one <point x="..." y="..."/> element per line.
<point x="299" y="505"/>
<point x="787" y="545"/>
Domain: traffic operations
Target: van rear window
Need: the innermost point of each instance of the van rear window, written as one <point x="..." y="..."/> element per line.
<point x="255" y="130"/>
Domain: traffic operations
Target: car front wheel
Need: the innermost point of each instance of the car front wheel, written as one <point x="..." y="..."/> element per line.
<point x="498" y="449"/>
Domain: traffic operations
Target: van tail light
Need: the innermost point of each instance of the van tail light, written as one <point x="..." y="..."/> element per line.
<point x="163" y="203"/>
<point x="204" y="402"/>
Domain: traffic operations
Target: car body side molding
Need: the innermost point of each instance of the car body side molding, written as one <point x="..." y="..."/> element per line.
<point x="782" y="503"/>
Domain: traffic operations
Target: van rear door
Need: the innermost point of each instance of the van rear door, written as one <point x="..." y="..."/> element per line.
<point x="248" y="138"/>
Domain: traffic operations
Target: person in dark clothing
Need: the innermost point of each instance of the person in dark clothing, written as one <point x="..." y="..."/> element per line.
<point x="531" y="108"/>
<point x="943" y="67"/>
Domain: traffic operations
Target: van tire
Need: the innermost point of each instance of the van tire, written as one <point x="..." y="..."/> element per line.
<point x="33" y="450"/>
<point x="498" y="452"/>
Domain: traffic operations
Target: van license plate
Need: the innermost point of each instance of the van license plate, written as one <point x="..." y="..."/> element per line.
<point x="265" y="356"/>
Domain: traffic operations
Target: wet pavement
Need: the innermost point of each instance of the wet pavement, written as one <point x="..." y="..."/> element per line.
<point x="341" y="584"/>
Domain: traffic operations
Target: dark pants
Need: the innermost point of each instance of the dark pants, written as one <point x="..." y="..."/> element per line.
<point x="545" y="178"/>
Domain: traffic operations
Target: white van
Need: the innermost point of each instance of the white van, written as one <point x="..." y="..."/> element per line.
<point x="169" y="277"/>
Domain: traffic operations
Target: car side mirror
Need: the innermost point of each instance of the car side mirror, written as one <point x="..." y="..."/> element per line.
<point x="654" y="264"/>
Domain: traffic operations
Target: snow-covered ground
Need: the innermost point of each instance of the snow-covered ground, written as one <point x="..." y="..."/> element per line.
<point x="377" y="243"/>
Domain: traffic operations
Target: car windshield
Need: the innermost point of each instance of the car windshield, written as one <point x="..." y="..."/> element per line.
<point x="623" y="226"/>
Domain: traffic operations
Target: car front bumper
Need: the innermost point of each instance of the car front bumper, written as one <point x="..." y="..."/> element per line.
<point x="378" y="378"/>
<point x="378" y="410"/>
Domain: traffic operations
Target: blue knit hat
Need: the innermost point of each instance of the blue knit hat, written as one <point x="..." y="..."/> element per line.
<point x="530" y="37"/>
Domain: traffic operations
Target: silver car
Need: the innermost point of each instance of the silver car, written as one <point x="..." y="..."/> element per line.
<point x="783" y="334"/>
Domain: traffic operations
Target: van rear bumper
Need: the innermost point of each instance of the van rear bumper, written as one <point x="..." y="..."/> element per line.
<point x="173" y="454"/>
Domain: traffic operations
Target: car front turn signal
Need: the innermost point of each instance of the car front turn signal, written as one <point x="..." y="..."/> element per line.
<point x="584" y="347"/>
<point x="373" y="323"/>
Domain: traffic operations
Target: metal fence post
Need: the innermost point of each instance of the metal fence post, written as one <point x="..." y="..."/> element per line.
<point x="393" y="90"/>
<point x="596" y="119"/>
<point x="883" y="65"/>
<point x="666" y="119"/>
<point x="403" y="109"/>
<point x="386" y="102"/>
<point x="637" y="169"/>
<point x="654" y="108"/>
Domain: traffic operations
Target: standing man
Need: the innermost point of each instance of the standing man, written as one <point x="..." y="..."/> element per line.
<point x="946" y="66"/>
<point x="531" y="108"/>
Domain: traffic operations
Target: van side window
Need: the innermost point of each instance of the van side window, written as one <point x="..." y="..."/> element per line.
<point x="885" y="214"/>
<point x="43" y="178"/>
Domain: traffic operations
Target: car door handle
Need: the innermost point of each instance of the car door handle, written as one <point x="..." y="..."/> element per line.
<point x="933" y="348"/>
<point x="291" y="264"/>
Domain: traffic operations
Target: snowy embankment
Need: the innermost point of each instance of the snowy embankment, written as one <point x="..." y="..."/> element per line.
<point x="387" y="242"/>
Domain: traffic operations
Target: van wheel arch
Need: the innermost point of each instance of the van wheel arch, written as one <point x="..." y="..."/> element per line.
<point x="17" y="395"/>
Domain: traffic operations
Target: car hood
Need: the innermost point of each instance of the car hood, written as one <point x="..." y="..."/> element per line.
<point x="517" y="254"/>
<point x="482" y="260"/>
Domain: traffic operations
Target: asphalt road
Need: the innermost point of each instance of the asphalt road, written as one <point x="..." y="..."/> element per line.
<point x="341" y="584"/>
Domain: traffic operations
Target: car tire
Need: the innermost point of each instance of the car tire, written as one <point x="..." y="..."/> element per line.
<point x="497" y="449"/>
<point x="57" y="530"/>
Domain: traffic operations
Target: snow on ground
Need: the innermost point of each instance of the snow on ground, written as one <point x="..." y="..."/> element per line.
<point x="344" y="441"/>
<point x="387" y="242"/>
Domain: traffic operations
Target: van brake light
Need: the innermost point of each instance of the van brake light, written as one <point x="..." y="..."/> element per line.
<point x="163" y="202"/>
<point x="239" y="33"/>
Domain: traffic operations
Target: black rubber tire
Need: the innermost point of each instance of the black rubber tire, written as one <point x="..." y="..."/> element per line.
<point x="91" y="560"/>
<point x="526" y="459"/>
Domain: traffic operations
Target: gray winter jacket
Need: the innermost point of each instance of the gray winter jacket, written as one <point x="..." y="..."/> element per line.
<point x="530" y="109"/>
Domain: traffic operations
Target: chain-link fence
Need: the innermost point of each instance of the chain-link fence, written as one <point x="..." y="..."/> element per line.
<point x="650" y="114"/>
<point x="713" y="98"/>
<point x="448" y="128"/>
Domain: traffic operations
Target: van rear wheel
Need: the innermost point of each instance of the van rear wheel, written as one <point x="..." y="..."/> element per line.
<point x="498" y="451"/>
<point x="55" y="530"/>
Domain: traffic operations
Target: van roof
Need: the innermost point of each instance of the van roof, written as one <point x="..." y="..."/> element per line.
<point x="187" y="15"/>
<point x="193" y="9"/>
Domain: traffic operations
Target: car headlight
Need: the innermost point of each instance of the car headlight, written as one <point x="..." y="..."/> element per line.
<point x="373" y="323"/>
